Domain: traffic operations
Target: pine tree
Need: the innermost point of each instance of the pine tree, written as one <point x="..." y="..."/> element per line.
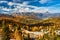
<point x="5" y="32"/>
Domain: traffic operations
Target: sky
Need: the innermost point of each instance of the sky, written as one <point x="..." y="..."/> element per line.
<point x="37" y="6"/>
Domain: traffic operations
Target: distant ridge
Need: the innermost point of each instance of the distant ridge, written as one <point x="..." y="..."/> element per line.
<point x="38" y="15"/>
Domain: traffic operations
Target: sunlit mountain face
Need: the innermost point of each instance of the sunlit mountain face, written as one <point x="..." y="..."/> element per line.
<point x="36" y="6"/>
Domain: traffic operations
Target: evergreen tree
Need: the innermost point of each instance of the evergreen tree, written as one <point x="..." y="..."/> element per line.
<point x="5" y="32"/>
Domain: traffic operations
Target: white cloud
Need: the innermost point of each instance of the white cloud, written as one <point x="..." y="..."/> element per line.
<point x="54" y="9"/>
<point x="10" y="3"/>
<point x="26" y="8"/>
<point x="36" y="9"/>
<point x="3" y="2"/>
<point x="24" y="0"/>
<point x="41" y="10"/>
<point x="17" y="0"/>
<point x="25" y="3"/>
<point x="44" y="1"/>
<point x="6" y="9"/>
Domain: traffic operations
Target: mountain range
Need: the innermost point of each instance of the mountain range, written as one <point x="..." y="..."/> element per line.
<point x="32" y="18"/>
<point x="37" y="15"/>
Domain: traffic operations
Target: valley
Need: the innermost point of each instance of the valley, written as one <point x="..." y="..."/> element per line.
<point x="29" y="27"/>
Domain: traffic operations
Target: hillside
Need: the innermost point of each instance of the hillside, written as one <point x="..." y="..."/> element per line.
<point x="54" y="20"/>
<point x="28" y="18"/>
<point x="22" y="18"/>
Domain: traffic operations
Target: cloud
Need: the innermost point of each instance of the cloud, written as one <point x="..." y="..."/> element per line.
<point x="24" y="7"/>
<point x="5" y="9"/>
<point x="25" y="3"/>
<point x="24" y="0"/>
<point x="17" y="0"/>
<point x="10" y="3"/>
<point x="40" y="10"/>
<point x="44" y="1"/>
<point x="3" y="1"/>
